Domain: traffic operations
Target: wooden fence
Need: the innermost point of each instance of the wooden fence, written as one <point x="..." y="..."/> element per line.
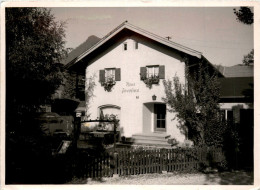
<point x="144" y="161"/>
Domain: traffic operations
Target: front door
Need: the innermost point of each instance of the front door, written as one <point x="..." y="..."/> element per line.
<point x="159" y="117"/>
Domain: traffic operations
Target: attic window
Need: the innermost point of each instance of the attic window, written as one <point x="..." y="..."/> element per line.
<point x="136" y="45"/>
<point x="125" y="46"/>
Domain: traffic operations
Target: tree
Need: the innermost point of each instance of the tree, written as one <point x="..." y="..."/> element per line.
<point x="196" y="106"/>
<point x="34" y="49"/>
<point x="244" y="15"/>
<point x="249" y="58"/>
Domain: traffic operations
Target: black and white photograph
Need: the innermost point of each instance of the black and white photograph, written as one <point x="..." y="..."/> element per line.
<point x="128" y="95"/>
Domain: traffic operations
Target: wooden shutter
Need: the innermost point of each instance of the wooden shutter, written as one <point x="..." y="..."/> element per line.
<point x="162" y="72"/>
<point x="142" y="72"/>
<point x="101" y="75"/>
<point x="118" y="74"/>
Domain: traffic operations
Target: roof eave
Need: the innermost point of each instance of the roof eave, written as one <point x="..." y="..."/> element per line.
<point x="219" y="73"/>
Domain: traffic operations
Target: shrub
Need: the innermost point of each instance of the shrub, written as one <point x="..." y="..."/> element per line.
<point x="196" y="106"/>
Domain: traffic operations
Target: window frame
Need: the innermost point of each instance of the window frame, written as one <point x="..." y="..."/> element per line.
<point x="125" y="46"/>
<point x="136" y="45"/>
<point x="113" y="69"/>
<point x="153" y="72"/>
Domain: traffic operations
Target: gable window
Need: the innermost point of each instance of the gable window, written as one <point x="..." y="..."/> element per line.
<point x="125" y="46"/>
<point x="136" y="45"/>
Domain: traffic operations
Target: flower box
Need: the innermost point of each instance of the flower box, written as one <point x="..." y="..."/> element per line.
<point x="149" y="81"/>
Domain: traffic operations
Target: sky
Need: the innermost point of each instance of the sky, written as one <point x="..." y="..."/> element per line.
<point x="214" y="31"/>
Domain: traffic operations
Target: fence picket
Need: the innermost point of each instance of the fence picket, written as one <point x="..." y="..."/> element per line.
<point x="137" y="161"/>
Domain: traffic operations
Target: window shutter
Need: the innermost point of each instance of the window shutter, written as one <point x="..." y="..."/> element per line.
<point x="101" y="75"/>
<point x="162" y="72"/>
<point x="118" y="74"/>
<point x="142" y="72"/>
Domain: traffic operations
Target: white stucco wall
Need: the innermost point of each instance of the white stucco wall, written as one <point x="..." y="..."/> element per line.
<point x="131" y="103"/>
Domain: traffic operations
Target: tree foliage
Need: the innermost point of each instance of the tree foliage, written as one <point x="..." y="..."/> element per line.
<point x="73" y="86"/>
<point x="89" y="93"/>
<point x="249" y="58"/>
<point x="244" y="15"/>
<point x="34" y="49"/>
<point x="196" y="106"/>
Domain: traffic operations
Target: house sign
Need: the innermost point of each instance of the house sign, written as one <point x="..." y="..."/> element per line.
<point x="130" y="88"/>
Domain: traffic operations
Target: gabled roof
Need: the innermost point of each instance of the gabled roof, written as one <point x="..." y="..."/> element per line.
<point x="239" y="71"/>
<point x="126" y="25"/>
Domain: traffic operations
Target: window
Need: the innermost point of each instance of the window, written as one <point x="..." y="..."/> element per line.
<point x="110" y="74"/>
<point x="107" y="110"/>
<point x="227" y="115"/>
<point x="105" y="74"/>
<point x="125" y="46"/>
<point x="152" y="71"/>
<point x="136" y="45"/>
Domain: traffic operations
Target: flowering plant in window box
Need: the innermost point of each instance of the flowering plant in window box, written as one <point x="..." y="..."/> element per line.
<point x="149" y="81"/>
<point x="109" y="83"/>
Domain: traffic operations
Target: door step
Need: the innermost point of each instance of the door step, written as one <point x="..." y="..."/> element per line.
<point x="152" y="139"/>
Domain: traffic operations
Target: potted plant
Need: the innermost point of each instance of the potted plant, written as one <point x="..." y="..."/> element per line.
<point x="149" y="81"/>
<point x="109" y="83"/>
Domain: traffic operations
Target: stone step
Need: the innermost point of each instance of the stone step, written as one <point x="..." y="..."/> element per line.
<point x="149" y="143"/>
<point x="152" y="139"/>
<point x="151" y="135"/>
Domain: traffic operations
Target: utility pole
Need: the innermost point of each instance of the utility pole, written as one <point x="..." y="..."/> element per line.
<point x="168" y="37"/>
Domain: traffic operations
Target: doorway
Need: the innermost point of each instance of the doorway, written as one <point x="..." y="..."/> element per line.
<point x="159" y="117"/>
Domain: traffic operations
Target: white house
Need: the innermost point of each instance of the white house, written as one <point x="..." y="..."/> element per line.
<point x="129" y="56"/>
